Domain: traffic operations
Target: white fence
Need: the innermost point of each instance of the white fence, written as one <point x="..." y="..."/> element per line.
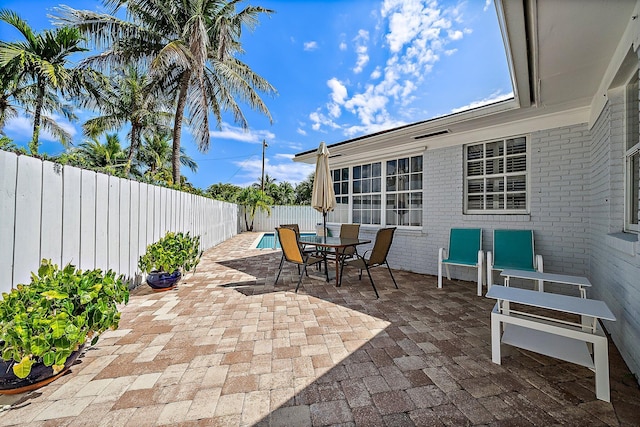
<point x="92" y="220"/>
<point x="305" y="216"/>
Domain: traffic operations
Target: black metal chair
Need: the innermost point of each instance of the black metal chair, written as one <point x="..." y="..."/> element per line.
<point x="381" y="246"/>
<point x="293" y="253"/>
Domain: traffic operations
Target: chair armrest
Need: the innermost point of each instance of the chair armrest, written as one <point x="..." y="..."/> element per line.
<point x="539" y="264"/>
<point x="442" y="254"/>
<point x="480" y="271"/>
<point x="489" y="268"/>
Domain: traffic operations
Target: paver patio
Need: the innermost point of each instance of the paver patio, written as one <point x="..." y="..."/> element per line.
<point x="229" y="348"/>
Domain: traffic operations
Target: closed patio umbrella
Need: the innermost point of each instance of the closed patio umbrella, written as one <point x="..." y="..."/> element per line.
<point x="323" y="198"/>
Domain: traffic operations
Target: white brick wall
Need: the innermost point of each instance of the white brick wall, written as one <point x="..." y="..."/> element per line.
<point x="576" y="212"/>
<point x="615" y="261"/>
<point x="559" y="165"/>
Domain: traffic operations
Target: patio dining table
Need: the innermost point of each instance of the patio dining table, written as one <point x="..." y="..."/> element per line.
<point x="337" y="243"/>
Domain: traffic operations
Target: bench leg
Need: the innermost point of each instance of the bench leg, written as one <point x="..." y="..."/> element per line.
<point x="495" y="338"/>
<point x="601" y="362"/>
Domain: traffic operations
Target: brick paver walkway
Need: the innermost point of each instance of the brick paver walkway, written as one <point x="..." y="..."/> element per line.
<point x="228" y="348"/>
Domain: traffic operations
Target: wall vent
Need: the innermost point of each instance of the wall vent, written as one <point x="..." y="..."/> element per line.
<point x="429" y="135"/>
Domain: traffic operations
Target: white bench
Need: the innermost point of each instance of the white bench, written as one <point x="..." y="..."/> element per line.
<point x="556" y="338"/>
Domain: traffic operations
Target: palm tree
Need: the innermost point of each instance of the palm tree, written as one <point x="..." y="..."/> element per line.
<point x="284" y="194"/>
<point x="9" y="95"/>
<point x="190" y="47"/>
<point x="40" y="63"/>
<point x="304" y="190"/>
<point x="269" y="181"/>
<point x="108" y="157"/>
<point x="129" y="97"/>
<point x="226" y="192"/>
<point x="254" y="200"/>
<point x="155" y="154"/>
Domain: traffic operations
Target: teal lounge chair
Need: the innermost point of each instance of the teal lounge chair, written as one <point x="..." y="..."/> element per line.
<point x="512" y="249"/>
<point x="465" y="249"/>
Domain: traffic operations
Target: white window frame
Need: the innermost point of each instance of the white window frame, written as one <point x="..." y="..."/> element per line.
<point x="632" y="153"/>
<point x="369" y="194"/>
<point x="526" y="173"/>
<point x="406" y="193"/>
<point x="382" y="193"/>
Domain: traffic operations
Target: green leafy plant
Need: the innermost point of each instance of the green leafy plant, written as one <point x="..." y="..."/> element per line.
<point x="175" y="251"/>
<point x="56" y="313"/>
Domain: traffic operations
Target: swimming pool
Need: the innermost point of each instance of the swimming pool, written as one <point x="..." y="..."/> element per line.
<point x="268" y="241"/>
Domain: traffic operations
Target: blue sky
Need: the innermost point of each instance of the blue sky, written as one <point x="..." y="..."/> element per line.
<point x="342" y="69"/>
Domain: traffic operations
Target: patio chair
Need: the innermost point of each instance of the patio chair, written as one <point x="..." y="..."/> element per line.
<point x="292" y="252"/>
<point x="513" y="249"/>
<point x="347" y="231"/>
<point x="381" y="246"/>
<point x="465" y="249"/>
<point x="296" y="228"/>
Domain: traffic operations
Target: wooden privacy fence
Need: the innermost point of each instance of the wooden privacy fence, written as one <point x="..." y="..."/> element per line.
<point x="92" y="220"/>
<point x="305" y="216"/>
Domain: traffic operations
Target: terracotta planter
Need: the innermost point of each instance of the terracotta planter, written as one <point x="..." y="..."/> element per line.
<point x="39" y="376"/>
<point x="161" y="281"/>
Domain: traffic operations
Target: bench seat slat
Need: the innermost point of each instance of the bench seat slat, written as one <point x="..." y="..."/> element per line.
<point x="569" y="304"/>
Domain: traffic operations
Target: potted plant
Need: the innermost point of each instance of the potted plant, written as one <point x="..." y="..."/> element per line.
<point x="166" y="260"/>
<point x="44" y="325"/>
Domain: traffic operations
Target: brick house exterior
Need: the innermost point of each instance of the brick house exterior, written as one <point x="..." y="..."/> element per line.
<point x="577" y="195"/>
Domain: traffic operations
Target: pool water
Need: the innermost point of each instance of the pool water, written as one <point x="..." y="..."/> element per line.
<point x="267" y="240"/>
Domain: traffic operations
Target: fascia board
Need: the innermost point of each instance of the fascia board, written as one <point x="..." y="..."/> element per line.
<point x="508" y="127"/>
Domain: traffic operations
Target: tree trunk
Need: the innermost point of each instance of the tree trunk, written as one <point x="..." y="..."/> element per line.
<point x="246" y="222"/>
<point x="177" y="127"/>
<point x="133" y="147"/>
<point x="33" y="145"/>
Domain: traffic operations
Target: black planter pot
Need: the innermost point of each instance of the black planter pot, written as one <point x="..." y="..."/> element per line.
<point x="161" y="281"/>
<point x="39" y="376"/>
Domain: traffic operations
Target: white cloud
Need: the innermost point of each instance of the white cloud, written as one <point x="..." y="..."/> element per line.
<point x="285" y="169"/>
<point x="239" y="134"/>
<point x="487" y="4"/>
<point x="334" y="110"/>
<point x="342" y="46"/>
<point x="301" y="131"/>
<point x="494" y="97"/>
<point x="372" y="128"/>
<point x="338" y="90"/>
<point x="455" y="35"/>
<point x="22" y="127"/>
<point x="361" y="41"/>
<point x="418" y="34"/>
<point x="318" y="120"/>
<point x="309" y="46"/>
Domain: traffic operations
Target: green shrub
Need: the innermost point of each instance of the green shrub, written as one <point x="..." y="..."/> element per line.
<point x="56" y="313"/>
<point x="175" y="251"/>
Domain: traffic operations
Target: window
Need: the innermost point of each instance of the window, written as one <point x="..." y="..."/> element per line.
<point x="387" y="192"/>
<point x="341" y="189"/>
<point x="404" y="191"/>
<point x="367" y="193"/>
<point x="496" y="176"/>
<point x="632" y="156"/>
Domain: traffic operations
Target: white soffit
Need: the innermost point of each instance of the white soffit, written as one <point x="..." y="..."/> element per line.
<point x="576" y="41"/>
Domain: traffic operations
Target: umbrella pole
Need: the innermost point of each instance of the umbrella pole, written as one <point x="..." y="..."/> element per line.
<point x="324" y="222"/>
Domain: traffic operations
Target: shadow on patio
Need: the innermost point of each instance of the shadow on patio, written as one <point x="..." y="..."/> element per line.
<point x="230" y="348"/>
